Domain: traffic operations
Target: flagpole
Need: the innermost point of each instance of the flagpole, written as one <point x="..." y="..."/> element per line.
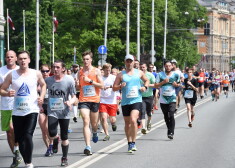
<point x="53" y="38"/>
<point x="37" y="35"/>
<point x="8" y="43"/>
<point x="24" y="26"/>
<point x="127" y="27"/>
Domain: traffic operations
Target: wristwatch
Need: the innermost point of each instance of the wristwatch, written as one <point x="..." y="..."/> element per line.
<point x="91" y="81"/>
<point x="146" y="87"/>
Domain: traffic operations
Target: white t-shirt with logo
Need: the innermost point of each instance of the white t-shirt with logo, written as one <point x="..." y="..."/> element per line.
<point x="108" y="96"/>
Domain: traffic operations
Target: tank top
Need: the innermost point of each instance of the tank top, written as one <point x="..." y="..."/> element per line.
<point x="25" y="100"/>
<point x="201" y="77"/>
<point x="131" y="92"/>
<point x="88" y="92"/>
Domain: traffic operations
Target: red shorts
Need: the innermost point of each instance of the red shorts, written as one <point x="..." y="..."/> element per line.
<point x="111" y="109"/>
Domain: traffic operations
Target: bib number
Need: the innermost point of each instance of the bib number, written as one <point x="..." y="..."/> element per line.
<point x="168" y="90"/>
<point x="132" y="92"/>
<point x="88" y="91"/>
<point x="22" y="103"/>
<point x="188" y="94"/>
<point x="56" y="104"/>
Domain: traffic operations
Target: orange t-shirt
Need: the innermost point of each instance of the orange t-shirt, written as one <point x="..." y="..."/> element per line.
<point x="225" y="83"/>
<point x="201" y="77"/>
<point x="88" y="92"/>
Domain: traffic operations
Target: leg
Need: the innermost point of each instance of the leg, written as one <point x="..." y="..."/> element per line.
<point x="104" y="122"/>
<point x="189" y="112"/>
<point x="44" y="128"/>
<point x="85" y="113"/>
<point x="133" y="124"/>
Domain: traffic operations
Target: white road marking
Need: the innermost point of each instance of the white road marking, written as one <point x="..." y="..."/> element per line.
<point x="115" y="146"/>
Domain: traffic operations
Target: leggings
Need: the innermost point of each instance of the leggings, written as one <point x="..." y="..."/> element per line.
<point x="53" y="124"/>
<point x="24" y="127"/>
<point x="168" y="111"/>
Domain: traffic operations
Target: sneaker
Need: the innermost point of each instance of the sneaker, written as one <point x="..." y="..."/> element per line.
<point x="139" y="124"/>
<point x="155" y="107"/>
<point x="149" y="126"/>
<point x="106" y="138"/>
<point x="114" y="127"/>
<point x="133" y="147"/>
<point x="70" y="130"/>
<point x="190" y="125"/>
<point x="49" y="152"/>
<point x="102" y="131"/>
<point x="178" y="106"/>
<point x="118" y="112"/>
<point x="87" y="151"/>
<point x="64" y="161"/>
<point x="16" y="159"/>
<point x="75" y="119"/>
<point x="95" y="137"/>
<point x="144" y="131"/>
<point x="130" y="148"/>
<point x="55" y="145"/>
<point x="170" y="136"/>
<point x="192" y="117"/>
<point x="202" y="97"/>
<point x="29" y="165"/>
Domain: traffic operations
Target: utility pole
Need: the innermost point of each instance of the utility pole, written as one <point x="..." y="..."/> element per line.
<point x="165" y="30"/>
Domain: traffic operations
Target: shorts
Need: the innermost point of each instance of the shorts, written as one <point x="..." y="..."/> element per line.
<point x="93" y="107"/>
<point x="77" y="94"/>
<point x="200" y="84"/>
<point x="177" y="90"/>
<point x="191" y="101"/>
<point x="6" y="119"/>
<point x="44" y="106"/>
<point x="206" y="85"/>
<point x="126" y="109"/>
<point x="111" y="109"/>
<point x="225" y="88"/>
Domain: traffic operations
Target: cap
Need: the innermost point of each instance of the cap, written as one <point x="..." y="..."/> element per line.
<point x="75" y="65"/>
<point x="131" y="57"/>
<point x="173" y="61"/>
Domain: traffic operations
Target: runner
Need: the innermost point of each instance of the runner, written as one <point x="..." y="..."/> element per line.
<point x="225" y="84"/>
<point x="90" y="83"/>
<point x="108" y="102"/>
<point x="167" y="81"/>
<point x="201" y="80"/>
<point x="25" y="110"/>
<point x="232" y="79"/>
<point x="74" y="74"/>
<point x="60" y="86"/>
<point x="129" y="82"/>
<point x="147" y="102"/>
<point x="7" y="106"/>
<point x="190" y="95"/>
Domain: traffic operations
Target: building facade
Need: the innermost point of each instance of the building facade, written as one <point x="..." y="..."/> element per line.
<point x="217" y="45"/>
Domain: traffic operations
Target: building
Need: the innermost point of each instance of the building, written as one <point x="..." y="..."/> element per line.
<point x="2" y="23"/>
<point x="216" y="41"/>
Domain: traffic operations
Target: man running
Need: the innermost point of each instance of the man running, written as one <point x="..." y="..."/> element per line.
<point x="167" y="81"/>
<point x="129" y="82"/>
<point x="201" y="80"/>
<point x="24" y="83"/>
<point x="7" y="106"/>
<point x="90" y="83"/>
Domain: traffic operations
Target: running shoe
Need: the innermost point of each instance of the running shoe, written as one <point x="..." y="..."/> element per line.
<point x="49" y="151"/>
<point x="106" y="138"/>
<point x="16" y="159"/>
<point x="170" y="136"/>
<point x="64" y="161"/>
<point x="55" y="145"/>
<point x="156" y="107"/>
<point x="29" y="166"/>
<point x="190" y="125"/>
<point x="139" y="124"/>
<point x="202" y="97"/>
<point x="87" y="151"/>
<point x="149" y="126"/>
<point x="133" y="147"/>
<point x="75" y="119"/>
<point x="114" y="127"/>
<point x="144" y="131"/>
<point x="130" y="148"/>
<point x="95" y="137"/>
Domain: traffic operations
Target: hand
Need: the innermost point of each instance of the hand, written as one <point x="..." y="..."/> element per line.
<point x="40" y="101"/>
<point x="166" y="80"/>
<point x="68" y="104"/>
<point x="143" y="89"/>
<point x="86" y="79"/>
<point x="106" y="87"/>
<point x="77" y="82"/>
<point x="11" y="93"/>
<point x="189" y="83"/>
<point x="123" y="84"/>
<point x="175" y="84"/>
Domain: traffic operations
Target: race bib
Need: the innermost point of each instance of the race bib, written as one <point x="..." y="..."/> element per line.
<point x="168" y="91"/>
<point x="88" y="90"/>
<point x="225" y="85"/>
<point x="22" y="103"/>
<point x="132" y="92"/>
<point x="188" y="94"/>
<point x="56" y="104"/>
<point x="201" y="79"/>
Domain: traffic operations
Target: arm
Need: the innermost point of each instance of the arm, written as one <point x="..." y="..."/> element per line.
<point x="5" y="85"/>
<point x="99" y="83"/>
<point x="42" y="84"/>
<point x="145" y="80"/>
<point x="118" y="83"/>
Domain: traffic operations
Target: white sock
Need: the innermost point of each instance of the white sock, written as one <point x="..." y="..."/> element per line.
<point x="16" y="148"/>
<point x="75" y="111"/>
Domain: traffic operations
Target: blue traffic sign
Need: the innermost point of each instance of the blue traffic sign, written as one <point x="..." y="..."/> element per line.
<point x="102" y="49"/>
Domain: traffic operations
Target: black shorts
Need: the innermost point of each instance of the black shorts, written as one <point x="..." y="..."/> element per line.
<point x="77" y="94"/>
<point x="126" y="109"/>
<point x="206" y="85"/>
<point x="44" y="106"/>
<point x="225" y="88"/>
<point x="200" y="84"/>
<point x="191" y="101"/>
<point x="93" y="107"/>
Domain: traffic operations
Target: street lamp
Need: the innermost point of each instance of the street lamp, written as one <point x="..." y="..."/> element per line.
<point x="50" y="43"/>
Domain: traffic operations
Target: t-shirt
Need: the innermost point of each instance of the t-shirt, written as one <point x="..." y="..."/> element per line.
<point x="58" y="93"/>
<point x="108" y="96"/>
<point x="6" y="102"/>
<point x="225" y="83"/>
<point x="189" y="88"/>
<point x="167" y="91"/>
<point x="149" y="91"/>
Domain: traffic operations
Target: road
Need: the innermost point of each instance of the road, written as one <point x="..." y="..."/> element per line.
<point x="209" y="143"/>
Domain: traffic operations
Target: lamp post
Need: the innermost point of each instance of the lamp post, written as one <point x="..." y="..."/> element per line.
<point x="50" y="43"/>
<point x="165" y="31"/>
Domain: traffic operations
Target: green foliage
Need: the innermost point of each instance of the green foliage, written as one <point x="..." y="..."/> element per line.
<point x="81" y="25"/>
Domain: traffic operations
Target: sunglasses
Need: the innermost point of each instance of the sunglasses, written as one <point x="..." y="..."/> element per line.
<point x="43" y="71"/>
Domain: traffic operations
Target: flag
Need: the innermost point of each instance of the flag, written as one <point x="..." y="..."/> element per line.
<point x="55" y="22"/>
<point x="11" y="22"/>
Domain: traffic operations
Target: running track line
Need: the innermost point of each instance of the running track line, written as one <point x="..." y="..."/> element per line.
<point x="115" y="146"/>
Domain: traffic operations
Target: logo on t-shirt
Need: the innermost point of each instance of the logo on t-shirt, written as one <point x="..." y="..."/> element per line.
<point x="23" y="90"/>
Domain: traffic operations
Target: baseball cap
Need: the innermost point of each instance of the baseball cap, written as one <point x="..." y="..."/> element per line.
<point x="75" y="65"/>
<point x="173" y="61"/>
<point x="131" y="57"/>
